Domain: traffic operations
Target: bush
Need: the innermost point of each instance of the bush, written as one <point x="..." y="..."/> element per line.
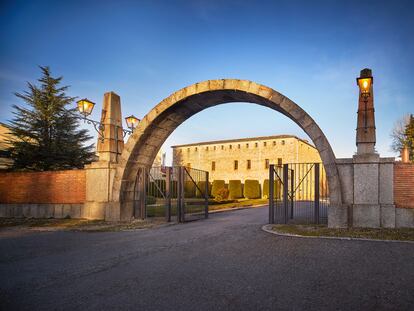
<point x="222" y="194"/>
<point x="202" y="186"/>
<point x="277" y="188"/>
<point x="235" y="189"/>
<point x="252" y="189"/>
<point x="189" y="189"/>
<point x="217" y="185"/>
<point x="151" y="200"/>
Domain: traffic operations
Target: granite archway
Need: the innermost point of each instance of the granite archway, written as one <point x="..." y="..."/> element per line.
<point x="143" y="145"/>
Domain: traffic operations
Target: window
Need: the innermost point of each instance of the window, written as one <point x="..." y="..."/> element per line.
<point x="238" y="146"/>
<point x="256" y="144"/>
<point x="214" y="147"/>
<point x="236" y="165"/>
<point x="213" y="165"/>
<point x="247" y="145"/>
<point x="279" y="161"/>
<point x="188" y="149"/>
<point x="264" y="144"/>
<point x="283" y="142"/>
<point x="207" y="148"/>
<point x="266" y="163"/>
<point x="230" y="147"/>
<point x="196" y="149"/>
<point x="222" y="147"/>
<point x="249" y="164"/>
<point x="189" y="165"/>
<point x="274" y="143"/>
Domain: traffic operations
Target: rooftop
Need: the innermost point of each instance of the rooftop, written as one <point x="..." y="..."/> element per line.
<point x="260" y="138"/>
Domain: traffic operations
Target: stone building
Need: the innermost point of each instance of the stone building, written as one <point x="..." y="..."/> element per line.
<point x="245" y="158"/>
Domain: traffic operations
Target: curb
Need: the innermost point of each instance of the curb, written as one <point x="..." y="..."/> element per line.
<point x="267" y="228"/>
<point x="234" y="209"/>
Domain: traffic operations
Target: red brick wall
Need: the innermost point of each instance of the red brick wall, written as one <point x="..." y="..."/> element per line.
<point x="404" y="185"/>
<point x="43" y="187"/>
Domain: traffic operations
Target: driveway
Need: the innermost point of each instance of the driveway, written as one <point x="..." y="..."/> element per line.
<point x="224" y="263"/>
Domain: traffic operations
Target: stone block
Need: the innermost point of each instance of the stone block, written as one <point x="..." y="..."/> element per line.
<point x="346" y="177"/>
<point x="34" y="210"/>
<point x="404" y="217"/>
<point x="366" y="184"/>
<point x="388" y="215"/>
<point x="66" y="211"/>
<point x="113" y="211"/>
<point x="50" y="210"/>
<point x="338" y="216"/>
<point x="76" y="210"/>
<point x="386" y="183"/>
<point x="26" y="210"/>
<point x="366" y="215"/>
<point x="94" y="210"/>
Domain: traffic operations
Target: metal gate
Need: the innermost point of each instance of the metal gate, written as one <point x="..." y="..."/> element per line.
<point x="298" y="193"/>
<point x="176" y="193"/>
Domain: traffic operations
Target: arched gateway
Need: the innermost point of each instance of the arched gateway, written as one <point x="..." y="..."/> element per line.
<point x="142" y="147"/>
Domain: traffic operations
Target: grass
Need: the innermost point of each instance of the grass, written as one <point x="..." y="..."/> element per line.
<point x="400" y="234"/>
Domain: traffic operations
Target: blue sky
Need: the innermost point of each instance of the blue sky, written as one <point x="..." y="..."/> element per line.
<point x="310" y="51"/>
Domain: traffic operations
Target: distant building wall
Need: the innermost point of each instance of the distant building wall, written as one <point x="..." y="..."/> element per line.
<point x="252" y="156"/>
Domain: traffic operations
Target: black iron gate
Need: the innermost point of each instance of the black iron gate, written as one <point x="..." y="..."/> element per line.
<point x="298" y="193"/>
<point x="176" y="193"/>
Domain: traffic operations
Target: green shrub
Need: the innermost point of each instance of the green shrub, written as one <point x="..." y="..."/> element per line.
<point x="251" y="189"/>
<point x="217" y="185"/>
<point x="222" y="195"/>
<point x="202" y="186"/>
<point x="277" y="188"/>
<point x="189" y="189"/>
<point x="235" y="189"/>
<point x="151" y="200"/>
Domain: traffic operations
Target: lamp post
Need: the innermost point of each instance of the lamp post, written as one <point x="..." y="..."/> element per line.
<point x="364" y="83"/>
<point x="85" y="107"/>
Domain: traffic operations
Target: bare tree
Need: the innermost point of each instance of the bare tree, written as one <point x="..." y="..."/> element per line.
<point x="398" y="133"/>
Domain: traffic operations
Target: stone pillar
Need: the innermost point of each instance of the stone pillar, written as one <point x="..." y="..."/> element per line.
<point x="100" y="174"/>
<point x="372" y="176"/>
<point x="365" y="133"/>
<point x="405" y="155"/>
<point x="110" y="147"/>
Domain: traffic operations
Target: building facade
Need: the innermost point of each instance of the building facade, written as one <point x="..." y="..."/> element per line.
<point x="246" y="158"/>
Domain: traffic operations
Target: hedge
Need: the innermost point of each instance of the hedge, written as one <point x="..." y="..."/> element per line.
<point x="189" y="189"/>
<point x="235" y="189"/>
<point x="217" y="185"/>
<point x="252" y="189"/>
<point x="277" y="186"/>
<point x="202" y="186"/>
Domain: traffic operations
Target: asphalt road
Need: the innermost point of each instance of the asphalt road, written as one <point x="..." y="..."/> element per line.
<point x="224" y="263"/>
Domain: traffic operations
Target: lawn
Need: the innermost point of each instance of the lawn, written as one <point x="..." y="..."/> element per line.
<point x="401" y="234"/>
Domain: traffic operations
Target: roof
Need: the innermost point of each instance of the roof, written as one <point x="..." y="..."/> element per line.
<point x="259" y="138"/>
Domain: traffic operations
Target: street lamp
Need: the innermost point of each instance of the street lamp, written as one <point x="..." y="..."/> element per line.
<point x="364" y="83"/>
<point x="85" y="107"/>
<point x="132" y="122"/>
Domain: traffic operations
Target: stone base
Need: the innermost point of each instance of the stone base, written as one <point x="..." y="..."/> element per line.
<point x="94" y="210"/>
<point x="338" y="216"/>
<point x="404" y="217"/>
<point x="387" y="215"/>
<point x="366" y="215"/>
<point x="41" y="210"/>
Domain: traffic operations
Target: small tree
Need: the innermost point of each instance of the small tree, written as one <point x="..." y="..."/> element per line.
<point x="409" y="137"/>
<point x="44" y="133"/>
<point x="398" y="133"/>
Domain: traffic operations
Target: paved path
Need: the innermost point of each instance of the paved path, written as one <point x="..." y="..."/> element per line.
<point x="224" y="263"/>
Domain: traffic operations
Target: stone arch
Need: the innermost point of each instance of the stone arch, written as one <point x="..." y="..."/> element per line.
<point x="143" y="145"/>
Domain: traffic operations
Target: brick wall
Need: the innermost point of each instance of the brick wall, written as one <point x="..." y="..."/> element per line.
<point x="404" y="185"/>
<point x="43" y="187"/>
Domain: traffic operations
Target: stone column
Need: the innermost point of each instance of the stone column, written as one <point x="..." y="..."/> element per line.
<point x="372" y="176"/>
<point x="365" y="133"/>
<point x="110" y="147"/>
<point x="100" y="174"/>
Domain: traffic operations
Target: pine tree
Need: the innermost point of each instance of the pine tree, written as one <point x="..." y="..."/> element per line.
<point x="409" y="137"/>
<point x="44" y="132"/>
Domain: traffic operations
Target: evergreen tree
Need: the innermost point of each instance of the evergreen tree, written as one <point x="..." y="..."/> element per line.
<point x="45" y="134"/>
<point x="409" y="137"/>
